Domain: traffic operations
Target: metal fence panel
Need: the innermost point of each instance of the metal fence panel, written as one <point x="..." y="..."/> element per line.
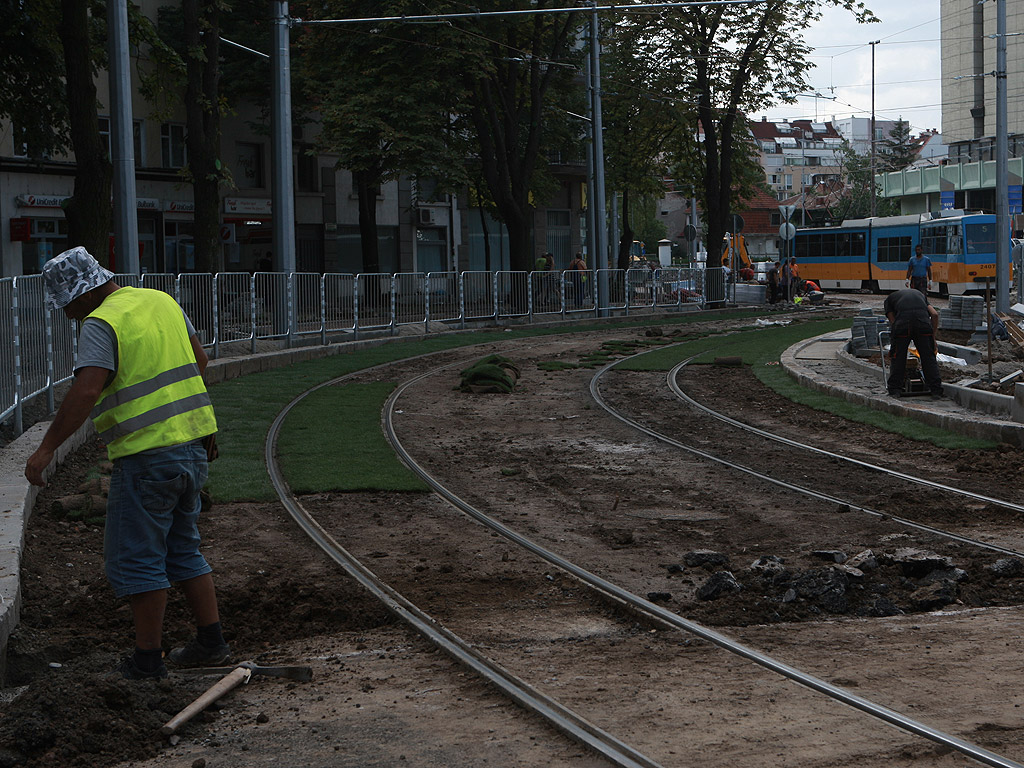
<point x="126" y="280"/>
<point x="664" y="280"/>
<point x="690" y="286"/>
<point x="640" y="287"/>
<point x="443" y="296"/>
<point x="234" y="306"/>
<point x="513" y="294"/>
<point x="33" y="321"/>
<point x="161" y="282"/>
<point x="339" y="301"/>
<point x="615" y="279"/>
<point x="374" y="300"/>
<point x="270" y="305"/>
<point x="307" y="296"/>
<point x="410" y="298"/>
<point x="197" y="298"/>
<point x="478" y="295"/>
<point x="547" y="288"/>
<point x="714" y="284"/>
<point x="8" y="352"/>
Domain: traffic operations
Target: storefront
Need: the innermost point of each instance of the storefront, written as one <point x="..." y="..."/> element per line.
<point x="247" y="234"/>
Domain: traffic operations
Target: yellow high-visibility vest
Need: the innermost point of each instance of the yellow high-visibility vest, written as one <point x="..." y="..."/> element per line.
<point x="157" y="397"/>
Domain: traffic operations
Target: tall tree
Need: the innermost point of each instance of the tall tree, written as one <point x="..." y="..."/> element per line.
<point x="520" y="72"/>
<point x="734" y="59"/>
<point x="386" y="96"/>
<point x="641" y="119"/>
<point x="897" y="150"/>
<point x="859" y="188"/>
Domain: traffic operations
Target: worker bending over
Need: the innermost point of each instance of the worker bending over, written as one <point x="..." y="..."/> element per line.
<point x="912" y="318"/>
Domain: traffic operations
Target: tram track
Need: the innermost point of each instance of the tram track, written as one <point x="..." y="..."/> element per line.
<point x="603" y="586"/>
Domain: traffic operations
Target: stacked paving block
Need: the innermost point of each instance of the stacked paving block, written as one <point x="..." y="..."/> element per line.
<point x="864" y="331"/>
<point x="965" y="313"/>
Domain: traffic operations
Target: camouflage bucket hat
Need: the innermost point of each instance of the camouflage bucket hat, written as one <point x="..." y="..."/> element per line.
<point x="72" y="274"/>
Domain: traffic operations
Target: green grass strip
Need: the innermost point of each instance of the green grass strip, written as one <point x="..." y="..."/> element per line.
<point x="332" y="441"/>
<point x="762" y="346"/>
<point x="247" y="406"/>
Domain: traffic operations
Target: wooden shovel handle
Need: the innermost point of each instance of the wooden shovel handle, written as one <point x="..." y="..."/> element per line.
<point x="231" y="680"/>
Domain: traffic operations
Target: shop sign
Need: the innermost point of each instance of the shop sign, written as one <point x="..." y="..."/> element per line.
<point x="259" y="206"/>
<point x="179" y="206"/>
<point x="21" y="230"/>
<point x="227" y="233"/>
<point x="147" y="204"/>
<point x="41" y="201"/>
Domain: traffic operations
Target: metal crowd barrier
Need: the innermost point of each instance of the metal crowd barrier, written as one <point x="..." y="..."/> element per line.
<point x="238" y="307"/>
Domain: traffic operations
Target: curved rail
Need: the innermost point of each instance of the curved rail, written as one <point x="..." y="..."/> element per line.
<point x="562" y="718"/>
<point x="677" y="390"/>
<point x="675" y="620"/>
<point x="595" y="392"/>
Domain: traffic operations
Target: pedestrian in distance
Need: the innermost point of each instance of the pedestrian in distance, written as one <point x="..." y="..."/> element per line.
<point x="139" y="372"/>
<point x="919" y="271"/>
<point x="773" y="283"/>
<point x="577" y="276"/>
<point x="794" y="277"/>
<point x="786" y="279"/>
<point x="912" y="319"/>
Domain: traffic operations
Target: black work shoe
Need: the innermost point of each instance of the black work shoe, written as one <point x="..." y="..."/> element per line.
<point x="895" y="393"/>
<point x="129" y="670"/>
<point x="195" y="654"/>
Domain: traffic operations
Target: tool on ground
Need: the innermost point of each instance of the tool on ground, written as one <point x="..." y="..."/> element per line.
<point x="301" y="674"/>
<point x="232" y="680"/>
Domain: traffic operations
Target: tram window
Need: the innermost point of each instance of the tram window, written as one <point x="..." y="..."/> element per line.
<point x="893" y="248"/>
<point x="953" y="242"/>
<point x="981" y="238"/>
<point x="933" y="240"/>
<point x="857" y="243"/>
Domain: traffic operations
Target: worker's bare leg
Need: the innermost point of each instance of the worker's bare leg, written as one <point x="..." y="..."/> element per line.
<point x="148" y="613"/>
<point x="202" y="599"/>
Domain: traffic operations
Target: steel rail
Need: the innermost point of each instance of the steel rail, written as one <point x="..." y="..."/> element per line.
<point x="677" y="390"/>
<point x="600" y="584"/>
<point x="819" y="495"/>
<point x="521" y="692"/>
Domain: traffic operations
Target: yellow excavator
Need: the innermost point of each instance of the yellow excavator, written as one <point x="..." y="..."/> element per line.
<point x="734" y="248"/>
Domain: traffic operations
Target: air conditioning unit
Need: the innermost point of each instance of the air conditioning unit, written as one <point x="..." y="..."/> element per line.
<point x="425" y="216"/>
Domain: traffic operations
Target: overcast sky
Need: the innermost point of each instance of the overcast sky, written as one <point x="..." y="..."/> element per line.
<point x="907" y="76"/>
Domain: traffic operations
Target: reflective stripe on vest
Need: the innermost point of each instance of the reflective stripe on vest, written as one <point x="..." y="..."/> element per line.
<point x="157" y="397"/>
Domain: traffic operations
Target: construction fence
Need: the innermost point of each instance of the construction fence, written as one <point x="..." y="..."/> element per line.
<point x="240" y="309"/>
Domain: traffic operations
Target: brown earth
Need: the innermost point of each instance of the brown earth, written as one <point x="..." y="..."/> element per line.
<point x="549" y="464"/>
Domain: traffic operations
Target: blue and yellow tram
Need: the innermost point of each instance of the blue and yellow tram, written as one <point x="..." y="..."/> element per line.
<point x="872" y="253"/>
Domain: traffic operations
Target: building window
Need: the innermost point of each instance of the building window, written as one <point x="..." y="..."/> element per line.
<point x="106" y="137"/>
<point x="307" y="170"/>
<point x="172" y="146"/>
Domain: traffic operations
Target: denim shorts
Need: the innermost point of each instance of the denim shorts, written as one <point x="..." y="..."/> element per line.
<point x="151" y="537"/>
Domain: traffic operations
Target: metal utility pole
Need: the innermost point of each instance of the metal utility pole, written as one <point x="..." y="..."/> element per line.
<point x="591" y="196"/>
<point x="600" y="221"/>
<point x="122" y="140"/>
<point x="1002" y="170"/>
<point x="874" y="207"/>
<point x="283" y="197"/>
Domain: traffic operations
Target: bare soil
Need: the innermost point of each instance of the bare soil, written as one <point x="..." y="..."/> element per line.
<point x="940" y="644"/>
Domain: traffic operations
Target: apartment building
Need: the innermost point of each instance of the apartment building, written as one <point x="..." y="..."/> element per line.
<point x="797" y="154"/>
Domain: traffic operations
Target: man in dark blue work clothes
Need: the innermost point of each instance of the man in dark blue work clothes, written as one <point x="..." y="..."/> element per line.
<point x="912" y="318"/>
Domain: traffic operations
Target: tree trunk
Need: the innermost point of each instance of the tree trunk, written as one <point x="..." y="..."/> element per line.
<point x="89" y="210"/>
<point x="367" y="184"/>
<point x="202" y="120"/>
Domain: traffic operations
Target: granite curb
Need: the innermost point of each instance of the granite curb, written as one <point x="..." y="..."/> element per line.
<point x="929" y="412"/>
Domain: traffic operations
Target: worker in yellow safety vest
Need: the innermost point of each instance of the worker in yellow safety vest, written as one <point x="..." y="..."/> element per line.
<point x="139" y="371"/>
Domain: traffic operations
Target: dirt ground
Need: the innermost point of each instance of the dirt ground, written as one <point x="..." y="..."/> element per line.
<point x="935" y="636"/>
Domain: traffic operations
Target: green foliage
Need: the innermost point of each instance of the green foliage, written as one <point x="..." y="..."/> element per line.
<point x="897" y="150"/>
<point x="856" y="202"/>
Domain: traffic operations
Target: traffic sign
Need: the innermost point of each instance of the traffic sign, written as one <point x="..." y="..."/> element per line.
<point x="787" y="211"/>
<point x="689" y="233"/>
<point x="737" y="223"/>
<point x="787" y="231"/>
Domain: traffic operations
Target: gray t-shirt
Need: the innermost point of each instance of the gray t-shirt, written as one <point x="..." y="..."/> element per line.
<point x="97" y="344"/>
